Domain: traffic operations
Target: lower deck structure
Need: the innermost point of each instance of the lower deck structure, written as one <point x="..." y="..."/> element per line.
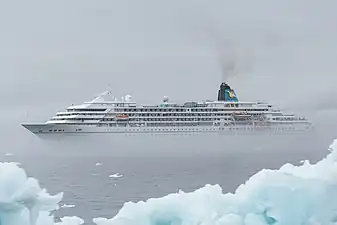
<point x="60" y="128"/>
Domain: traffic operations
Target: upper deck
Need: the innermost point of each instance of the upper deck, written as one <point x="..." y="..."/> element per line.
<point x="105" y="107"/>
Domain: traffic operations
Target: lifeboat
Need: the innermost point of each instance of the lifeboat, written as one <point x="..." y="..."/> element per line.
<point x="241" y="114"/>
<point x="122" y="117"/>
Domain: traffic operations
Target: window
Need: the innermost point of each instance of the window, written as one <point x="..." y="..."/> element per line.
<point x="91" y="109"/>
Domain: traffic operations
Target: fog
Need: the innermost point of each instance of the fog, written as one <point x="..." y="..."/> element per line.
<point x="57" y="53"/>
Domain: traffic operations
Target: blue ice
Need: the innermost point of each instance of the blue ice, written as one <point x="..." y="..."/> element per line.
<point x="291" y="195"/>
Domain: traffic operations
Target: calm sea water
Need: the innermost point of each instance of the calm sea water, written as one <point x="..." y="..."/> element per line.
<point x="151" y="165"/>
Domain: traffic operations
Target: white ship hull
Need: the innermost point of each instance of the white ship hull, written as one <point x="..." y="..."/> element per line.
<point x="60" y="128"/>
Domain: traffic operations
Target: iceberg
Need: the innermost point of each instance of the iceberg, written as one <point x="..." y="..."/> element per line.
<point x="116" y="175"/>
<point x="291" y="195"/>
<point x="23" y="202"/>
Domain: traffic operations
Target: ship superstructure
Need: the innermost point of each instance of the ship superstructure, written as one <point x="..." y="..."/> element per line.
<point x="106" y="114"/>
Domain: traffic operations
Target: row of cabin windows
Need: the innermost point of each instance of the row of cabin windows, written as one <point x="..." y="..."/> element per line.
<point x="82" y="124"/>
<point x="147" y="119"/>
<point x="74" y="119"/>
<point x="269" y="128"/>
<point x="146" y="115"/>
<point x="55" y="130"/>
<point x="183" y="110"/>
<point x="156" y="124"/>
<point x="62" y="130"/>
<point x="219" y="110"/>
<point x="208" y="129"/>
<point x="149" y="114"/>
<point x="285" y="119"/>
<point x="150" y="110"/>
<point x="175" y="124"/>
<point x="84" y="114"/>
<point x="87" y="110"/>
<point x="183" y="115"/>
<point x="160" y="115"/>
<point x="170" y="119"/>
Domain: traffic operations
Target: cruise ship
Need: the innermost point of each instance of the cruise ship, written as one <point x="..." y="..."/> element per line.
<point x="106" y="114"/>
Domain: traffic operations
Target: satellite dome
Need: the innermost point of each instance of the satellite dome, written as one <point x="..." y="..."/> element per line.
<point x="166" y="99"/>
<point x="128" y="98"/>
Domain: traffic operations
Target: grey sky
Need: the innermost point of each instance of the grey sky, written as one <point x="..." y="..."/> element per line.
<point x="55" y="53"/>
<point x="60" y="52"/>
